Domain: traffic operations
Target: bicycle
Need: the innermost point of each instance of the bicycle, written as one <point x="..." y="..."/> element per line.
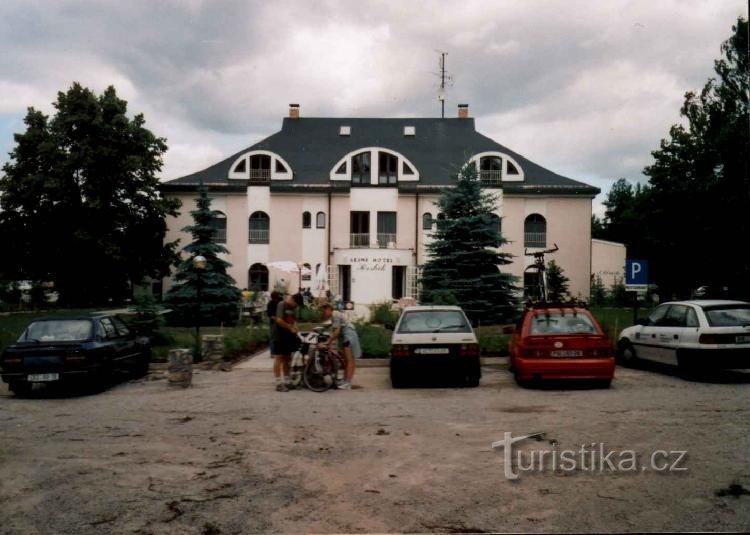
<point x="314" y="364"/>
<point x="540" y="285"/>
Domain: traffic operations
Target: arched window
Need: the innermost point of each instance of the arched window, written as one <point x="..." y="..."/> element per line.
<point x="387" y="168"/>
<point x="260" y="169"/>
<point x="320" y="220"/>
<point x="257" y="278"/>
<point x="535" y="231"/>
<point x="306" y="220"/>
<point x="219" y="224"/>
<point x="361" y="168"/>
<point x="259" y="226"/>
<point x="427" y="221"/>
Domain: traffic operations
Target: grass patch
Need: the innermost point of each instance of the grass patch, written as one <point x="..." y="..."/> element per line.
<point x="615" y="319"/>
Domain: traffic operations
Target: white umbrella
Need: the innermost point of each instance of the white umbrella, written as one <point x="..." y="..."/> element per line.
<point x="321" y="280"/>
<point x="285" y="265"/>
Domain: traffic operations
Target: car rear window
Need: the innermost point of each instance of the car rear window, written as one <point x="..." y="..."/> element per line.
<point x="557" y="323"/>
<point x="434" y="321"/>
<point x="728" y="316"/>
<point x="57" y="331"/>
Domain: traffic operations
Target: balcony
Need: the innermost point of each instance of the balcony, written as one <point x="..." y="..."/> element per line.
<point x="386" y="240"/>
<point x="260" y="177"/>
<point x="359" y="240"/>
<point x="535" y="239"/>
<point x="258" y="236"/>
<point x="491" y="177"/>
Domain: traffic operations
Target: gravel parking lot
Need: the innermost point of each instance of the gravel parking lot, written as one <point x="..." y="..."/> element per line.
<point x="230" y="455"/>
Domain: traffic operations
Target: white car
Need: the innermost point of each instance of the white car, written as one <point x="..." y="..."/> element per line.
<point x="695" y="335"/>
<point x="432" y="340"/>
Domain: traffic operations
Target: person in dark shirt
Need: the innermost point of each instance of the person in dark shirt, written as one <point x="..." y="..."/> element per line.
<point x="271" y="314"/>
<point x="285" y="340"/>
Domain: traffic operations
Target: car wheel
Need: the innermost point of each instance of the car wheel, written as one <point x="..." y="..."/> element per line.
<point x="687" y="365"/>
<point x="20" y="388"/>
<point x="521" y="382"/>
<point x="604" y="383"/>
<point x="141" y="367"/>
<point x="398" y="378"/>
<point x="626" y="354"/>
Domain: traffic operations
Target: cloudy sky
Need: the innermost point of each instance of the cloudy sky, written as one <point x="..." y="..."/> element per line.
<point x="585" y="88"/>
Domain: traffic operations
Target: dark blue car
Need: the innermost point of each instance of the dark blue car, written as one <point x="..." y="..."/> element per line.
<point x="59" y="350"/>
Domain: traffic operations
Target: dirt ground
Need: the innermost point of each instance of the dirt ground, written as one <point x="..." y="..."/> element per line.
<point x="230" y="455"/>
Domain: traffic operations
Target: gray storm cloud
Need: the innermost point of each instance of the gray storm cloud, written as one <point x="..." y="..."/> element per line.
<point x="585" y="88"/>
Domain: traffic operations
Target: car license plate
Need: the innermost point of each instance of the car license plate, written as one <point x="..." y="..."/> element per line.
<point x="567" y="353"/>
<point x="432" y="351"/>
<point x="42" y="377"/>
<point x="743" y="339"/>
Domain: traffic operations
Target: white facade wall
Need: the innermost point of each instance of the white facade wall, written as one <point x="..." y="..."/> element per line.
<point x="608" y="261"/>
<point x="568" y="225"/>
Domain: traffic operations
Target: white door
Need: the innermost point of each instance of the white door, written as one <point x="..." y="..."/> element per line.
<point x="647" y="340"/>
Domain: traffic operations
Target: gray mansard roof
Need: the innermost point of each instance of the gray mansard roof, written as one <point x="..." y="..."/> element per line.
<point x="312" y="146"/>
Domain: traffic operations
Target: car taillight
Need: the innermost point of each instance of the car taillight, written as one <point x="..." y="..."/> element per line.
<point x="715" y="339"/>
<point x="469" y="350"/>
<point x="534" y="353"/>
<point x="601" y="352"/>
<point x="400" y="351"/>
<point x="12" y="360"/>
<point x="75" y="357"/>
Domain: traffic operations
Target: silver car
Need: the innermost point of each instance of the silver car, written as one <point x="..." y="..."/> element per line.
<point x="694" y="335"/>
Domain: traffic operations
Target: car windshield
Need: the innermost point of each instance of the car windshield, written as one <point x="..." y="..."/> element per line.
<point x="434" y="321"/>
<point x="558" y="323"/>
<point x="57" y="331"/>
<point x="736" y="316"/>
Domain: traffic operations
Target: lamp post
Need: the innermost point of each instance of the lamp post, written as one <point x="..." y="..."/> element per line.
<point x="199" y="264"/>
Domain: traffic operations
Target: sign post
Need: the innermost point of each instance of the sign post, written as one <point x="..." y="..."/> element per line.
<point x="636" y="281"/>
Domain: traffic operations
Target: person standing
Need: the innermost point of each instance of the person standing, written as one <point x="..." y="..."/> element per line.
<point x="342" y="328"/>
<point x="284" y="338"/>
<point x="271" y="315"/>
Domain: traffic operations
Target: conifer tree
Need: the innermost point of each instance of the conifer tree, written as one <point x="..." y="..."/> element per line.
<point x="219" y="295"/>
<point x="464" y="258"/>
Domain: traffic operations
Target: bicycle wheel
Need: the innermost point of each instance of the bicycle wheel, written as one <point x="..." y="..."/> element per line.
<point x="317" y="375"/>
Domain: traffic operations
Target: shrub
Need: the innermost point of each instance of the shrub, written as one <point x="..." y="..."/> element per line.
<point x="309" y="314"/>
<point x="244" y="339"/>
<point x="492" y="341"/>
<point x="374" y="339"/>
<point x="383" y="313"/>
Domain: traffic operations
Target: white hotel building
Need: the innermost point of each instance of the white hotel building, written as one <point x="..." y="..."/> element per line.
<point x="355" y="197"/>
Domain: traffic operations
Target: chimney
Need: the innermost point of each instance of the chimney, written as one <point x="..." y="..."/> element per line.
<point x="294" y="111"/>
<point x="463" y="111"/>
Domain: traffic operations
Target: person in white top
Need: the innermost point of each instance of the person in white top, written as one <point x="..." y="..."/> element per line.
<point x="342" y="328"/>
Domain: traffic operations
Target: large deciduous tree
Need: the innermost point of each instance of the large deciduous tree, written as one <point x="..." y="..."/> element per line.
<point x="80" y="200"/>
<point x="691" y="220"/>
<point x="219" y="298"/>
<point x="464" y="258"/>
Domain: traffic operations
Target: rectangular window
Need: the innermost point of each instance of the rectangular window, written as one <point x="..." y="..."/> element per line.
<point x="361" y="168"/>
<point x="359" y="229"/>
<point x="386" y="228"/>
<point x="387" y="168"/>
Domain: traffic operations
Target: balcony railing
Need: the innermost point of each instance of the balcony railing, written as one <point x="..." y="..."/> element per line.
<point x="386" y="239"/>
<point x="220" y="235"/>
<point x="258" y="236"/>
<point x="260" y="177"/>
<point x="535" y="239"/>
<point x="491" y="177"/>
<point x="359" y="240"/>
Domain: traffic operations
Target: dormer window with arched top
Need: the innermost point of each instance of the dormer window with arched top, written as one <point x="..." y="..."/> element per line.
<point x="374" y="166"/>
<point x="494" y="168"/>
<point x="260" y="167"/>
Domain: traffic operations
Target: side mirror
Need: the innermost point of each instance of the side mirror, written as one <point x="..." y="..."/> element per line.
<point x="389" y="326"/>
<point x="509" y="329"/>
<point x="641" y="321"/>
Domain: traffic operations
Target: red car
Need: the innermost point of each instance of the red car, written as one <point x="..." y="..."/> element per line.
<point x="559" y="342"/>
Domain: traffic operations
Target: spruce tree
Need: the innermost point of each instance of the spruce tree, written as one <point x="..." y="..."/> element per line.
<point x="557" y="282"/>
<point x="220" y="297"/>
<point x="464" y="260"/>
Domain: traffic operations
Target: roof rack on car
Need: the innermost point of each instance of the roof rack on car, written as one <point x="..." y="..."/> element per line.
<point x="572" y="303"/>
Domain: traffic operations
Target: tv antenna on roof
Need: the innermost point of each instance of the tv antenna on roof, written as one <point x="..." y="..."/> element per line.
<point x="444" y="78"/>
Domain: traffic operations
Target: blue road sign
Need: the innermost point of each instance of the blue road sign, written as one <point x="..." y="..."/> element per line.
<point x="636" y="271"/>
